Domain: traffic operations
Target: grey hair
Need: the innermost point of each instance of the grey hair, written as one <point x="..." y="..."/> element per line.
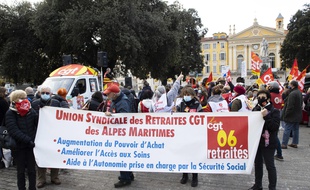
<point x="45" y="88"/>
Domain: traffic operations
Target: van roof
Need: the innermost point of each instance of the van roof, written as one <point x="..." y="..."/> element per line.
<point x="73" y="70"/>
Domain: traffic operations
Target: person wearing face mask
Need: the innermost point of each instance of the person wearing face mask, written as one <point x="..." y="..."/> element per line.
<point x="216" y="103"/>
<point x="21" y="121"/>
<point x="190" y="103"/>
<point x="276" y="99"/>
<point x="292" y="115"/>
<point x="268" y="141"/>
<point x="119" y="104"/>
<point x="46" y="100"/>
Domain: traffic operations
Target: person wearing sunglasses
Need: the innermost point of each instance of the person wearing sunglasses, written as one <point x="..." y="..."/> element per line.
<point x="46" y="100"/>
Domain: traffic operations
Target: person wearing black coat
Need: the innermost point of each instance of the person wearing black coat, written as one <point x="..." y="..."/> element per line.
<point x="4" y="105"/>
<point x="268" y="141"/>
<point x="95" y="101"/>
<point x="189" y="104"/>
<point x="21" y="121"/>
<point x="46" y="100"/>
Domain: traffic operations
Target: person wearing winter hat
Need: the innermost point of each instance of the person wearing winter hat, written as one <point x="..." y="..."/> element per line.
<point x="21" y="121"/>
<point x="238" y="104"/>
<point x="120" y="104"/>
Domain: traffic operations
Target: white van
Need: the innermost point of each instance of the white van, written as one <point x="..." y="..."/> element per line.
<point x="79" y="81"/>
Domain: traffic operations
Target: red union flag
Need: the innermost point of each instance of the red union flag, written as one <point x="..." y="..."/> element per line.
<point x="301" y="79"/>
<point x="228" y="76"/>
<point x="265" y="78"/>
<point x="294" y="71"/>
<point x="256" y="63"/>
<point x="210" y="79"/>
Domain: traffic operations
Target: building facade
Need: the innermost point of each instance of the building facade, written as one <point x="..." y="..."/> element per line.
<point x="231" y="50"/>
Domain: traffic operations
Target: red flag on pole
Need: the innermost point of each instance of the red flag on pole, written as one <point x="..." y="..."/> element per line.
<point x="294" y="71"/>
<point x="255" y="64"/>
<point x="210" y="79"/>
<point x="301" y="79"/>
<point x="265" y="78"/>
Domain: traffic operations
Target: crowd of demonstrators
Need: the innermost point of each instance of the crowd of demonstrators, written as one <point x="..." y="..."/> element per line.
<point x="219" y="96"/>
<point x="21" y="122"/>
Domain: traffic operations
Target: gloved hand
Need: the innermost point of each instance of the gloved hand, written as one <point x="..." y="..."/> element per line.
<point x="31" y="144"/>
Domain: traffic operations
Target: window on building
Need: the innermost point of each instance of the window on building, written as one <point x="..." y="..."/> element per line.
<point x="215" y="37"/>
<point x="214" y="69"/>
<point x="206" y="46"/>
<point x="239" y="61"/>
<point x="223" y="36"/>
<point x="272" y="60"/>
<point x="214" y="57"/>
<point x="214" y="45"/>
<point x="207" y="69"/>
<point x="222" y="45"/>
<point x="207" y="57"/>
<point x="222" y="56"/>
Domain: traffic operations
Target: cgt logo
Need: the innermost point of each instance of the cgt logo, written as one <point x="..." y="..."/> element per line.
<point x="227" y="133"/>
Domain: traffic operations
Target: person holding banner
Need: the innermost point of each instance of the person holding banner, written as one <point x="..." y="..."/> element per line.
<point x="21" y="121"/>
<point x="268" y="141"/>
<point x="190" y="103"/>
<point x="46" y="100"/>
<point x="120" y="104"/>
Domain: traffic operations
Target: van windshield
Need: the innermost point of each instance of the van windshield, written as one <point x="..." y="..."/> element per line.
<point x="56" y="83"/>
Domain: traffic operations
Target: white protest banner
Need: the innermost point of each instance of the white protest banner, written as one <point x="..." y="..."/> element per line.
<point x="243" y="69"/>
<point x="155" y="142"/>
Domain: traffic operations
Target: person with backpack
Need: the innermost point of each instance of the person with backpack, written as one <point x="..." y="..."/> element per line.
<point x="46" y="100"/>
<point x="95" y="101"/>
<point x="21" y="121"/>
<point x="146" y="104"/>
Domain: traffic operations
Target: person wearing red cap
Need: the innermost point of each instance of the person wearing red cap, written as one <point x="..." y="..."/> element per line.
<point x="238" y="104"/>
<point x="120" y="104"/>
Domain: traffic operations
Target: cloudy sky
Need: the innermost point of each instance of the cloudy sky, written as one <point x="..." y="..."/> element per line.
<point x="218" y="15"/>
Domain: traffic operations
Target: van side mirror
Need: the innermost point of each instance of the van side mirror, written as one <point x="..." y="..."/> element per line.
<point x="75" y="92"/>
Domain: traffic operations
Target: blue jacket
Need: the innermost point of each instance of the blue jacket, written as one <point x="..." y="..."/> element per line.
<point x="121" y="104"/>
